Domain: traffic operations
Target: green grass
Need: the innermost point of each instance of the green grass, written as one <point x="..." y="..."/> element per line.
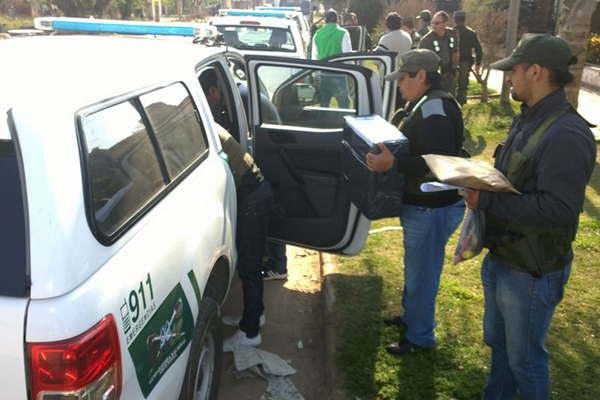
<point x="369" y="286"/>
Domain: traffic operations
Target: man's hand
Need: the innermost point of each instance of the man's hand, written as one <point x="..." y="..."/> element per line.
<point x="478" y="69"/>
<point x="471" y="198"/>
<point x="381" y="162"/>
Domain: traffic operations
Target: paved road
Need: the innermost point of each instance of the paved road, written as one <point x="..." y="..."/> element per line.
<point x="589" y="102"/>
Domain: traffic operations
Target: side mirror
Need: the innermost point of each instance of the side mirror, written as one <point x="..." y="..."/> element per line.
<point x="306" y="93"/>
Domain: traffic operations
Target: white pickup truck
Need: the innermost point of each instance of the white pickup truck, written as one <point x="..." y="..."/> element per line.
<point x="119" y="208"/>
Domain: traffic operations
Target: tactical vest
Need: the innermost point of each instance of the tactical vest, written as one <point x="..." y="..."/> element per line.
<point x="413" y="185"/>
<point x="529" y="248"/>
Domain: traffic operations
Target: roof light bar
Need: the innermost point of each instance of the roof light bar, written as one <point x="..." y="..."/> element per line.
<point x="253" y="13"/>
<point x="114" y="26"/>
<point x="267" y="8"/>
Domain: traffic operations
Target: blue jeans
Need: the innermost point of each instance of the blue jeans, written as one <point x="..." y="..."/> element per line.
<point x="426" y="232"/>
<point x="518" y="311"/>
<point x="334" y="85"/>
<point x="277" y="259"/>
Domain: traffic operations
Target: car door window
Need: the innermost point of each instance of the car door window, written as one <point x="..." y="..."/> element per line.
<point x="172" y="115"/>
<point x="123" y="170"/>
<point x="303" y="97"/>
<point x="375" y="65"/>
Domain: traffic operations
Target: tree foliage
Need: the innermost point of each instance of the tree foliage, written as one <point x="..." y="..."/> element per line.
<point x="490" y="24"/>
<point x="82" y="8"/>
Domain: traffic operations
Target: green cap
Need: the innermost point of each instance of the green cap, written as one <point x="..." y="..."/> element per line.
<point x="414" y="60"/>
<point x="424" y="14"/>
<point x="539" y="48"/>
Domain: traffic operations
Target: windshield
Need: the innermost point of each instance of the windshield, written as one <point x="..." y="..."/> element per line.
<point x="257" y="38"/>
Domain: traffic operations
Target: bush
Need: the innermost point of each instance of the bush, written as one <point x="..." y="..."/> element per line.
<point x="593" y="50"/>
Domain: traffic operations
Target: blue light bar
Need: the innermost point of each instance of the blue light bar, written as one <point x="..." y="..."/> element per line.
<point x="254" y="13"/>
<point x="290" y="8"/>
<point x="123" y="27"/>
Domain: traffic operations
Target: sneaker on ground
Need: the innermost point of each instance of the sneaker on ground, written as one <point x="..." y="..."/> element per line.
<point x="269" y="275"/>
<point x="234" y="320"/>
<point x="239" y="339"/>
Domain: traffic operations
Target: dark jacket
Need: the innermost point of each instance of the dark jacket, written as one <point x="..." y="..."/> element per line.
<point x="436" y="128"/>
<point x="444" y="46"/>
<point x="467" y="42"/>
<point x="564" y="160"/>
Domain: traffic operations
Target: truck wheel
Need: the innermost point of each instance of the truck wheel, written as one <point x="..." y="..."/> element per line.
<point x="204" y="364"/>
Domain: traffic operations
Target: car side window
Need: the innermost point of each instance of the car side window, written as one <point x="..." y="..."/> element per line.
<point x="375" y="65"/>
<point x="172" y="116"/>
<point x="123" y="170"/>
<point x="304" y="97"/>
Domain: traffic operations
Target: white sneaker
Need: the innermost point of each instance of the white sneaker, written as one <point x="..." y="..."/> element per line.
<point x="239" y="339"/>
<point x="269" y="275"/>
<point x="234" y="320"/>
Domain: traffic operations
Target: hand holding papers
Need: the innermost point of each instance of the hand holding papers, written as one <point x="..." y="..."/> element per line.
<point x="468" y="173"/>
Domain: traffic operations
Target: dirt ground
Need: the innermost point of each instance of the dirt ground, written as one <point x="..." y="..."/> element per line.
<point x="294" y="312"/>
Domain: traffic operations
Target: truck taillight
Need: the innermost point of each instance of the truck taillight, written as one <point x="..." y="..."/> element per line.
<point x="87" y="366"/>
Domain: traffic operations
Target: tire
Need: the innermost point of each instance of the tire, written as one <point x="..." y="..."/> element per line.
<point x="204" y="364"/>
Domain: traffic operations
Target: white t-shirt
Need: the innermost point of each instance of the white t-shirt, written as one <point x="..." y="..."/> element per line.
<point x="397" y="41"/>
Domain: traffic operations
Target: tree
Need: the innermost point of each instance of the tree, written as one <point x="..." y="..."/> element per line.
<point x="82" y="8"/>
<point x="574" y="26"/>
<point x="489" y="22"/>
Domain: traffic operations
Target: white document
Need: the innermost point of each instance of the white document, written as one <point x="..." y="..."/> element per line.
<point x="428" y="187"/>
<point x="373" y="129"/>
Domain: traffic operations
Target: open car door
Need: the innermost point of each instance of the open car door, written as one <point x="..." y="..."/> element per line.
<point x="297" y="117"/>
<point x="381" y="63"/>
<point x="358" y="37"/>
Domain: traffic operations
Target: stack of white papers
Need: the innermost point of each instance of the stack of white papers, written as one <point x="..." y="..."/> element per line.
<point x="373" y="129"/>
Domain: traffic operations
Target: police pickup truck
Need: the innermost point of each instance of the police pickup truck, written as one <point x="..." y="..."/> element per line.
<point x="119" y="209"/>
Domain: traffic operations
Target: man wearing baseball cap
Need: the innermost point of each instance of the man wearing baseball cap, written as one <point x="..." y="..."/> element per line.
<point x="549" y="156"/>
<point x="424" y="18"/>
<point x="432" y="122"/>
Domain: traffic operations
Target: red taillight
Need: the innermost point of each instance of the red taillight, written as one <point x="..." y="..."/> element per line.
<point x="86" y="366"/>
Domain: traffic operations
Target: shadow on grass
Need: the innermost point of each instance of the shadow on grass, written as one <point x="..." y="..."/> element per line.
<point x="356" y="353"/>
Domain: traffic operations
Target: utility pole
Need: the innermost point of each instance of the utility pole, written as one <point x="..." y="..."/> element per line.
<point x="512" y="27"/>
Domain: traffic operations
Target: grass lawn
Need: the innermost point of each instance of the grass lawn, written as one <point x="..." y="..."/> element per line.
<point x="369" y="287"/>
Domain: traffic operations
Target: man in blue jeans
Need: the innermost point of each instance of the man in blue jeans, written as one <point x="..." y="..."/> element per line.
<point x="432" y="122"/>
<point x="549" y="156"/>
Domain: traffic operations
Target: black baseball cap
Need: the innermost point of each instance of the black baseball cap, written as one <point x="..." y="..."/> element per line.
<point x="539" y="48"/>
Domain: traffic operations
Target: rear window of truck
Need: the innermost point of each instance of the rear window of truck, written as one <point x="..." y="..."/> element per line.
<point x="13" y="239"/>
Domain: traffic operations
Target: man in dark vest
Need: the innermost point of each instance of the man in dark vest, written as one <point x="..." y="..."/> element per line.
<point x="432" y="122"/>
<point x="469" y="43"/>
<point x="549" y="156"/>
<point x="442" y="40"/>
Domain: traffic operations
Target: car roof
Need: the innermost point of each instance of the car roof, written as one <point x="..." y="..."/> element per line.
<point x="264" y="21"/>
<point x="41" y="70"/>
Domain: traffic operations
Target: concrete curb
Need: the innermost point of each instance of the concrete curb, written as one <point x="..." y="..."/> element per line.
<point x="333" y="377"/>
